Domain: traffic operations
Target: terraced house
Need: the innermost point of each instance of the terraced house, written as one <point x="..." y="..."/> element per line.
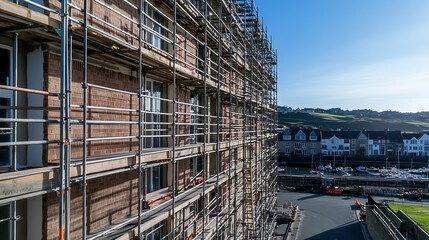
<point x="296" y="141"/>
<point x="136" y="119"/>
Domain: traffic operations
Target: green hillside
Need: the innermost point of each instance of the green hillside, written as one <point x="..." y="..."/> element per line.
<point x="330" y="121"/>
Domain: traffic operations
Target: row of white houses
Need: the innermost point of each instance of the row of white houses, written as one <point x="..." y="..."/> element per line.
<point x="308" y="141"/>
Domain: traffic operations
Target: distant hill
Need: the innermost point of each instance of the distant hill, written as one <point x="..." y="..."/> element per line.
<point x="333" y="119"/>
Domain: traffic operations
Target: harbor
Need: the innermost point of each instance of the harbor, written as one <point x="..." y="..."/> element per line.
<point x="329" y="170"/>
<point x="359" y="185"/>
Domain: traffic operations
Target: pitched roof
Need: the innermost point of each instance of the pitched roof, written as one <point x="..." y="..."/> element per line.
<point x="407" y="136"/>
<point x="294" y="130"/>
<point x="393" y="136"/>
<point x="340" y="134"/>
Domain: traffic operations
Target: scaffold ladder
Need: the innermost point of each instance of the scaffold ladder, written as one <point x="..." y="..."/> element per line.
<point x="249" y="199"/>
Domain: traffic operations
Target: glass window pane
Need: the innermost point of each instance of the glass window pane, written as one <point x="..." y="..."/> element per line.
<point x="5" y="134"/>
<point x="4" y="66"/>
<point x="4" y="226"/>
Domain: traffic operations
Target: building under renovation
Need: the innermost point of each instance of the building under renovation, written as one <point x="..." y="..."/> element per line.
<point x="136" y="119"/>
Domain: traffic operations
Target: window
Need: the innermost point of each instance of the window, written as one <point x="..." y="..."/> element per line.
<point x="312" y="145"/>
<point x="156" y="22"/>
<point x="313" y="136"/>
<point x="155" y="232"/>
<point x="6" y="225"/>
<point x="300" y="136"/>
<point x="346" y="140"/>
<point x="413" y="141"/>
<point x="324" y="147"/>
<point x="287" y="137"/>
<point x="201" y="56"/>
<point x="300" y="145"/>
<point x="153" y="179"/>
<point x="341" y="147"/>
<point x="197" y="120"/>
<point x="382" y="149"/>
<point x="153" y="106"/>
<point x="5" y="100"/>
<point x="196" y="166"/>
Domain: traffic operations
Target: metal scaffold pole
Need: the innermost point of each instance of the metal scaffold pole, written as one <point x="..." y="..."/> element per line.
<point x="85" y="116"/>
<point x="67" y="144"/>
<point x="218" y="119"/>
<point x="175" y="100"/>
<point x="14" y="166"/>
<point x="140" y="117"/>
<point x="62" y="185"/>
<point x="205" y="135"/>
<point x="231" y="223"/>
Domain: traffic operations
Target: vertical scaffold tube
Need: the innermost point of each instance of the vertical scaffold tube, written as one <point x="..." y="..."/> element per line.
<point x="205" y="135"/>
<point x="85" y="114"/>
<point x="67" y="146"/>
<point x="14" y="99"/>
<point x="140" y="125"/>
<point x="245" y="183"/>
<point x="14" y="165"/>
<point x="175" y="93"/>
<point x="218" y="119"/>
<point x="61" y="95"/>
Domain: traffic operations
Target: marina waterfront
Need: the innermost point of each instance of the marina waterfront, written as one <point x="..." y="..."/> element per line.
<point x="360" y="171"/>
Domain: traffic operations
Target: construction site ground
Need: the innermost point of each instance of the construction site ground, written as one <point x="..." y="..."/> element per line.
<point x="322" y="216"/>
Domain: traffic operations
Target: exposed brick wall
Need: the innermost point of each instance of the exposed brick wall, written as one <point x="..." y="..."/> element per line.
<point x="186" y="50"/>
<point x="109" y="199"/>
<point x="183" y="96"/>
<point x="96" y="97"/>
<point x="183" y="173"/>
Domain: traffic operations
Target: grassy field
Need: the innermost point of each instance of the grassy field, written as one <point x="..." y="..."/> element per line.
<point x="418" y="213"/>
<point x="335" y="121"/>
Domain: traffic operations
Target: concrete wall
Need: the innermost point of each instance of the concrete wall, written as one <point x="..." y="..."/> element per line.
<point x="376" y="227"/>
<point x="34" y="216"/>
<point x="412" y="228"/>
<point x="391" y="216"/>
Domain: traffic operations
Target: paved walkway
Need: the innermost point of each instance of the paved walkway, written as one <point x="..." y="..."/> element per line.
<point x="323" y="217"/>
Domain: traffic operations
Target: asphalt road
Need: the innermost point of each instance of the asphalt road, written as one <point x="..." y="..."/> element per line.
<point x="323" y="216"/>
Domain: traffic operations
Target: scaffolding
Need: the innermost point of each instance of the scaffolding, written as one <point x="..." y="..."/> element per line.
<point x="137" y="119"/>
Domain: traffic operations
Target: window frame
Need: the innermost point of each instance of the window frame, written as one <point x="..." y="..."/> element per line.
<point x="8" y="95"/>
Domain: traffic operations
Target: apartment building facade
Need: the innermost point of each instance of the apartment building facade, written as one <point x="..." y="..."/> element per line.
<point x="299" y="142"/>
<point x="136" y="120"/>
<point x="416" y="144"/>
<point x="339" y="142"/>
<point x="311" y="141"/>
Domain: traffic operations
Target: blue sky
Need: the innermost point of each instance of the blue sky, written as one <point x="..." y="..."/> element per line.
<point x="353" y="54"/>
